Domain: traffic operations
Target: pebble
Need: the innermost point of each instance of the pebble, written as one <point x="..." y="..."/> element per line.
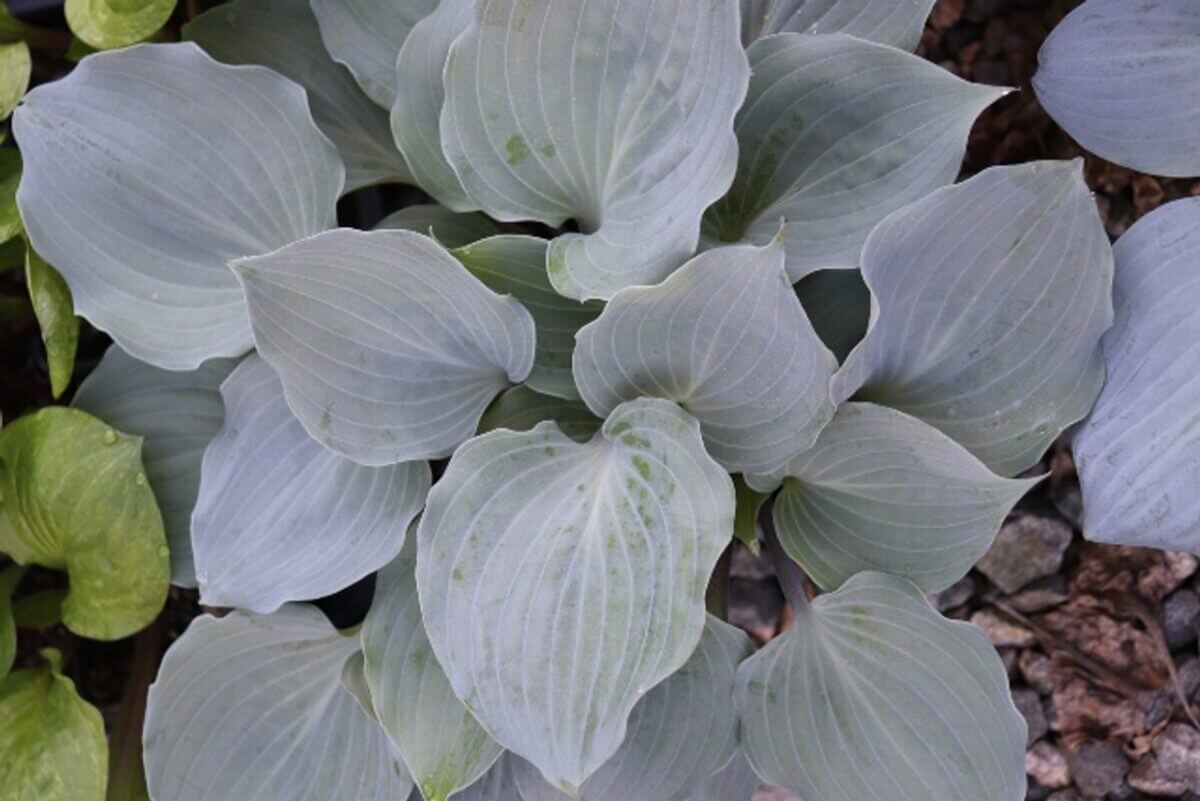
<point x="1029" y="704"/>
<point x="1099" y="768"/>
<point x="1028" y="547"/>
<point x="955" y="595"/>
<point x="1043" y="594"/>
<point x="1002" y="632"/>
<point x="1181" y="618"/>
<point x="1178" y="752"/>
<point x="1035" y="668"/>
<point x="1148" y="777"/>
<point x="1047" y="766"/>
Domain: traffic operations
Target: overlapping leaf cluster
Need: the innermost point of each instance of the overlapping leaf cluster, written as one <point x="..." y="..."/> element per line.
<point x="760" y="285"/>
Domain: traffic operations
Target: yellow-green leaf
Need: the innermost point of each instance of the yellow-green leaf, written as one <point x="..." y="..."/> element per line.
<point x="10" y="177"/>
<point x="15" y="65"/>
<point x="9" y="577"/>
<point x="52" y="744"/>
<point x="745" y="520"/>
<point x="76" y="498"/>
<point x="108" y="24"/>
<point x="51" y="298"/>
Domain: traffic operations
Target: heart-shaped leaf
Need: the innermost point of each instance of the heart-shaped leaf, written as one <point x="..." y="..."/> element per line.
<point x="839" y="305"/>
<point x="883" y="491"/>
<point x="176" y="414"/>
<point x="1136" y="453"/>
<point x="1124" y="80"/>
<point x="520" y="409"/>
<point x="726" y="338"/>
<point x="52" y="745"/>
<point x="106" y="24"/>
<point x="498" y="784"/>
<point x="618" y="116"/>
<point x="516" y="265"/>
<point x="450" y="228"/>
<point x="679" y="735"/>
<point x="252" y="706"/>
<point x="10" y="576"/>
<point x="283" y="35"/>
<point x="76" y="499"/>
<point x="892" y="22"/>
<point x="15" y="66"/>
<point x="585" y="586"/>
<point x="51" y="299"/>
<point x="872" y="694"/>
<point x="442" y="745"/>
<point x="992" y="296"/>
<point x="142" y="233"/>
<point x="366" y="36"/>
<point x="388" y="349"/>
<point x="836" y="134"/>
<point x="279" y="518"/>
<point x="737" y="781"/>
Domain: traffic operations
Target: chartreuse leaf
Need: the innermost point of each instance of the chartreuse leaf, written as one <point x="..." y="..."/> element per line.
<point x="551" y="652"/>
<point x="252" y="706"/>
<point x="442" y="745"/>
<point x="836" y="134"/>
<point x="176" y="414"/>
<point x="681" y="733"/>
<point x="283" y="35"/>
<point x="417" y="108"/>
<point x="992" y="296"/>
<point x="450" y="228"/>
<point x="745" y="522"/>
<point x="366" y="36"/>
<point x="891" y="22"/>
<point x="10" y="576"/>
<point x="279" y="518"/>
<point x="1124" y="80"/>
<point x="726" y="338"/>
<point x="1136" y="453"/>
<point x="10" y="216"/>
<point x="516" y="265"/>
<point x="55" y="312"/>
<point x="884" y="491"/>
<point x="108" y="24"/>
<point x="388" y="348"/>
<point x="15" y="66"/>
<point x="615" y="115"/>
<point x="737" y="781"/>
<point x="839" y="305"/>
<point x="872" y="694"/>
<point x="147" y="169"/>
<point x="52" y="745"/>
<point x="40" y="608"/>
<point x="76" y="499"/>
<point x="520" y="409"/>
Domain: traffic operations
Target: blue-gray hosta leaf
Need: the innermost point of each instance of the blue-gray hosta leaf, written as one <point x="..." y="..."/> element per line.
<point x="561" y="581"/>
<point x="498" y="784"/>
<point x="726" y="338"/>
<point x="618" y="116"/>
<point x="1137" y="452"/>
<point x="680" y="734"/>
<point x="737" y="781"/>
<point x="873" y="695"/>
<point x="366" y="36"/>
<point x="443" y="746"/>
<point x="838" y="304"/>
<point x="283" y="35"/>
<point x="992" y="296"/>
<point x="388" y="348"/>
<point x="147" y="169"/>
<point x="176" y="414"/>
<point x="516" y="265"/>
<point x="450" y="228"/>
<point x="884" y="491"/>
<point x="836" y="134"/>
<point x="417" y="110"/>
<point x="1123" y="78"/>
<point x="520" y="409"/>
<point x="280" y="518"/>
<point x="891" y="22"/>
<point x="252" y="706"/>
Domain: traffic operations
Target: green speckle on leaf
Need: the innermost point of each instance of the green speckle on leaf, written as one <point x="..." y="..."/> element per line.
<point x="516" y="150"/>
<point x="549" y="150"/>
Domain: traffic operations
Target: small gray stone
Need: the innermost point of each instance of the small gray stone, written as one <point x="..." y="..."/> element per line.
<point x="1029" y="704"/>
<point x="1065" y="795"/>
<point x="1148" y="777"/>
<point x="1002" y="632"/>
<point x="1038" y="596"/>
<point x="1027" y="548"/>
<point x="1099" y="768"/>
<point x="955" y="595"/>
<point x="1189" y="676"/>
<point x="1046" y="765"/>
<point x="1178" y="752"/>
<point x="1035" y="668"/>
<point x="1181" y="617"/>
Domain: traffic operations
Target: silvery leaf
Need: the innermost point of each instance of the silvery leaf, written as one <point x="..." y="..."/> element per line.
<point x="279" y="518"/>
<point x="1136" y="453"/>
<point x="520" y="409"/>
<point x="617" y="116"/>
<point x="283" y="35"/>
<point x="498" y="784"/>
<point x="872" y="694"/>
<point x="679" y="735"/>
<point x="583" y="589"/>
<point x="147" y="169"/>
<point x="450" y="228"/>
<point x="992" y="296"/>
<point x="883" y="491"/>
<point x="892" y="22"/>
<point x="1123" y="78"/>
<point x="836" y="134"/>
<point x="839" y="305"/>
<point x="737" y="781"/>
<point x="252" y="706"/>
<point x="366" y="36"/>
<point x="442" y="745"/>
<point x="176" y="414"/>
<point x="726" y="338"/>
<point x="388" y="348"/>
<point x="516" y="265"/>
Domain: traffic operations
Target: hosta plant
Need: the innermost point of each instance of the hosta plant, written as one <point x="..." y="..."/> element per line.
<point x="682" y="266"/>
